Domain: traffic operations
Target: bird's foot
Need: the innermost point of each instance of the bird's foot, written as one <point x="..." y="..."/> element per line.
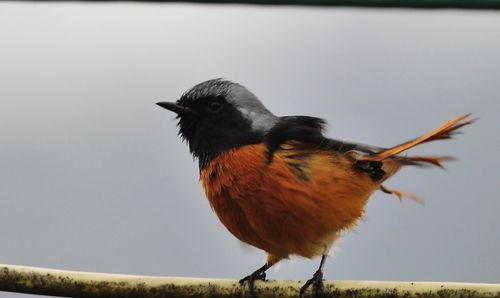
<point x="318" y="289"/>
<point x="259" y="274"/>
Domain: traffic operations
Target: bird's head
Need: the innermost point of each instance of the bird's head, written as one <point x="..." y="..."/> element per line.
<point x="219" y="115"/>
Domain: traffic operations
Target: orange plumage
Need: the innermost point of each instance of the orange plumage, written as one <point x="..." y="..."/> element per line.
<point x="300" y="202"/>
<point x="278" y="183"/>
<point x="295" y="205"/>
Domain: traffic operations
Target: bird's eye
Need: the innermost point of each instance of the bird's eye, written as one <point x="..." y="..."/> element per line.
<point x="215" y="105"/>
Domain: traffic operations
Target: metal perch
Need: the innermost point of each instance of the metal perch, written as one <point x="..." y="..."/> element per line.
<point x="51" y="282"/>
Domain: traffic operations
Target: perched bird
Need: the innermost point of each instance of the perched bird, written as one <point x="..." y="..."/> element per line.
<point x="277" y="183"/>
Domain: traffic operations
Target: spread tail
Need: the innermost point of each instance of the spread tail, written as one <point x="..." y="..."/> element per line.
<point x="446" y="131"/>
<point x="391" y="162"/>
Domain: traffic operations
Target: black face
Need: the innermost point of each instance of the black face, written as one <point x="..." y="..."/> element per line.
<point x="211" y="125"/>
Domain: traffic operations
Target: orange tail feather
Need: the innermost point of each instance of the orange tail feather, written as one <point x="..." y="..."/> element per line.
<point x="401" y="195"/>
<point x="426" y="160"/>
<point x="443" y="132"/>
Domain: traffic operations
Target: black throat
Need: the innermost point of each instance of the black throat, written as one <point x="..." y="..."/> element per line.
<point x="207" y="150"/>
<point x="208" y="136"/>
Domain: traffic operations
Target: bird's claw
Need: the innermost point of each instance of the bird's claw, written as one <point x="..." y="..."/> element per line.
<point x="257" y="275"/>
<point x="317" y="283"/>
<point x="254" y="276"/>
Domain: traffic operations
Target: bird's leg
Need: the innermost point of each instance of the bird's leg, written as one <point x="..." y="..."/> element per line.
<point x="316" y="281"/>
<point x="259" y="274"/>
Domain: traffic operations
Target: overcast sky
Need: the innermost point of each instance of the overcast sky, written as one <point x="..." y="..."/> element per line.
<point x="94" y="178"/>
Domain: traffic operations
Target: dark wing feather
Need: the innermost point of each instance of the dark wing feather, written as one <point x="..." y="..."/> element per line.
<point x="344" y="146"/>
<point x="309" y="130"/>
<point x="311" y="122"/>
<point x="304" y="129"/>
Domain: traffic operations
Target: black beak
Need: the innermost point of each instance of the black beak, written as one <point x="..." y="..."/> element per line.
<point x="172" y="106"/>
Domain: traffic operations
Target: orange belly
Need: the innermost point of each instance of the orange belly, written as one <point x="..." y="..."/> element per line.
<point x="297" y="204"/>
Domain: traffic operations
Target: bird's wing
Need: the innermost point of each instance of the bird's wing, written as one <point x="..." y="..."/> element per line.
<point x="303" y="135"/>
<point x="309" y="131"/>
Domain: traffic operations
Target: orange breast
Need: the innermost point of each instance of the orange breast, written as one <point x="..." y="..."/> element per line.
<point x="295" y="205"/>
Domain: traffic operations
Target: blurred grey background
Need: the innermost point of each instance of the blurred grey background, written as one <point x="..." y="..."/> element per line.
<point x="94" y="178"/>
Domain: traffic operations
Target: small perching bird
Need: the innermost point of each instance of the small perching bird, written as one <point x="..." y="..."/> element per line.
<point x="277" y="183"/>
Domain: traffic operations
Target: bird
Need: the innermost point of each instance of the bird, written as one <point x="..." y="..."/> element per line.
<point x="277" y="182"/>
